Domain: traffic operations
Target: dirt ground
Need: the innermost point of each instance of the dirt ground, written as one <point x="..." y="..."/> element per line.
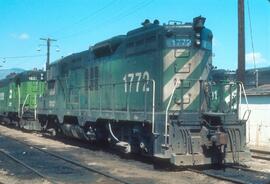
<point x="133" y="170"/>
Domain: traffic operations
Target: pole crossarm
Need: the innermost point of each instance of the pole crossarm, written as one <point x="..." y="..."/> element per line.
<point x="48" y="43"/>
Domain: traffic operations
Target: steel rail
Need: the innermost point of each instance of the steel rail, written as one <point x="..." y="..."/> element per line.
<point x="73" y="162"/>
<point x="260" y="154"/>
<point x="262" y="157"/>
<point x="27" y="166"/>
<point x="224" y="178"/>
<point x="242" y="168"/>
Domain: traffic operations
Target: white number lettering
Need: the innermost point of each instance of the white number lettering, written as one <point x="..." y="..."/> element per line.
<point x="125" y="80"/>
<point x="139" y="76"/>
<point x="146" y="81"/>
<point x="214" y="95"/>
<point x="129" y="78"/>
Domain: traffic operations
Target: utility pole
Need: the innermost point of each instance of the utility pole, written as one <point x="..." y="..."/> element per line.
<point x="48" y="40"/>
<point x="241" y="42"/>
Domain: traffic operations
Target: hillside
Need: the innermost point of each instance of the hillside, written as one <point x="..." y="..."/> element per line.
<point x="5" y="72"/>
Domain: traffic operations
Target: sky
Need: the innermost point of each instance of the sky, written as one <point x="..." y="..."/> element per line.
<point x="77" y="24"/>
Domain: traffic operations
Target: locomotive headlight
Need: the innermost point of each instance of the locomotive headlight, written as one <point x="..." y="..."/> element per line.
<point x="197" y="39"/>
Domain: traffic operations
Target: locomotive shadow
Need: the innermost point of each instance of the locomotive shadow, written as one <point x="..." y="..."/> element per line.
<point x="156" y="164"/>
<point x="101" y="146"/>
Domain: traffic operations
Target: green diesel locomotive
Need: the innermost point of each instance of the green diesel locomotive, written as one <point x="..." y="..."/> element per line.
<point x="18" y="98"/>
<point x="148" y="92"/>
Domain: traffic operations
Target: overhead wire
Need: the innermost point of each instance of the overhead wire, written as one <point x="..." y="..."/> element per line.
<point x="87" y="29"/>
<point x="251" y="35"/>
<point x="4" y="59"/>
<point x="86" y="17"/>
<point x="121" y="15"/>
<point x="132" y="11"/>
<point x="21" y="57"/>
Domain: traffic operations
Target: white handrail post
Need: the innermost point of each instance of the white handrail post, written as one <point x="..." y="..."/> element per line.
<point x="166" y="113"/>
<point x="19" y="101"/>
<point x="240" y="99"/>
<point x="247" y="111"/>
<point x="153" y="106"/>
<point x="24" y="103"/>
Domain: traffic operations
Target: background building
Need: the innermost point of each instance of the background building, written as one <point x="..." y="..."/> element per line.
<point x="258" y="125"/>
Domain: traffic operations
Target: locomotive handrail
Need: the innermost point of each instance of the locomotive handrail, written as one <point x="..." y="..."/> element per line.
<point x="167" y="110"/>
<point x="246" y="115"/>
<point x="24" y="102"/>
<point x="153" y="106"/>
<point x="19" y="101"/>
<point x="35" y="111"/>
<point x="241" y="86"/>
<point x="244" y="92"/>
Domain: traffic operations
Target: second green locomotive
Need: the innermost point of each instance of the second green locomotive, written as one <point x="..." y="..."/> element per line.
<point x="18" y="98"/>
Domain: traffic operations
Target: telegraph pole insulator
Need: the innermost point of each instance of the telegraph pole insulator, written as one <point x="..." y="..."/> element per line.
<point x="241" y="42"/>
<point x="48" y="41"/>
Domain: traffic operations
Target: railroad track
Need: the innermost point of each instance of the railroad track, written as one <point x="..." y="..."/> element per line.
<point x="236" y="174"/>
<point x="51" y="166"/>
<point x="232" y="174"/>
<point x="23" y="169"/>
<point x="260" y="154"/>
